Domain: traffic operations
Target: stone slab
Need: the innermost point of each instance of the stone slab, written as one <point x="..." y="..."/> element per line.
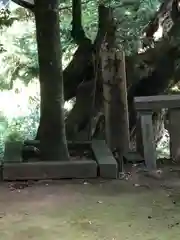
<point x="108" y="167"/>
<point x="50" y="170"/>
<point x="157" y="102"/>
<point x="174" y="132"/>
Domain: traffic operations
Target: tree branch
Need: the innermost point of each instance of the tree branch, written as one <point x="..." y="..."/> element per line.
<point x="77" y="31"/>
<point x="25" y="4"/>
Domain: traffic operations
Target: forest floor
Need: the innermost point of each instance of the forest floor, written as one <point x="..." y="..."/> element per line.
<point x="135" y="208"/>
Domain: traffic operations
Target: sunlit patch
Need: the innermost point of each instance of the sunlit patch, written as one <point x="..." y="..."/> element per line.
<point x="128" y="13"/>
<point x="68" y="105"/>
<point x="175" y="88"/>
<point x="163" y="146"/>
<point x="158" y="34"/>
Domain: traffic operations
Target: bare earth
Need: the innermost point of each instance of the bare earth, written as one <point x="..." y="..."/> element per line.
<point x="138" y="208"/>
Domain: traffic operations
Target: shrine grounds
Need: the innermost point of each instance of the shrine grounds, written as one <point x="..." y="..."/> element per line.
<point x="138" y="207"/>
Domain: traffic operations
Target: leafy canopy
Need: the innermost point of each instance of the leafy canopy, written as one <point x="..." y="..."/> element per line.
<point x="18" y="50"/>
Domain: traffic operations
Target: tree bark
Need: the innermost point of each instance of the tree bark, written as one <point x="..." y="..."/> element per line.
<point x="53" y="145"/>
<point x="80" y="115"/>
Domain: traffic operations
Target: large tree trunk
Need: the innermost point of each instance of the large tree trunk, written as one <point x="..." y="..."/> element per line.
<point x="53" y="144"/>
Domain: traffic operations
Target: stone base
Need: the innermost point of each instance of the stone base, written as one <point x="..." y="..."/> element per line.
<point x="108" y="167"/>
<point x="49" y="170"/>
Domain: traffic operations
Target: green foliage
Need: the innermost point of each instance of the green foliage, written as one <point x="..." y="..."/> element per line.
<point x="90" y="18"/>
<point x="26" y="126"/>
<point x="18" y="59"/>
<point x="132" y="18"/>
<point x="20" y="127"/>
<point x="14" y="136"/>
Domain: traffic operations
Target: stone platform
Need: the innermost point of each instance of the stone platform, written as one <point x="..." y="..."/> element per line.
<point x="50" y="170"/>
<point x="103" y="164"/>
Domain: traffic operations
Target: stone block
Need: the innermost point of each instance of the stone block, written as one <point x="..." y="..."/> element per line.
<point x="12" y="152"/>
<point x="108" y="167"/>
<point x="50" y="170"/>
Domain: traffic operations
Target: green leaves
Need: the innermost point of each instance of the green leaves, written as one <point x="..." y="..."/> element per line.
<point x="18" y="49"/>
<point x="18" y="59"/>
<point x="131" y="22"/>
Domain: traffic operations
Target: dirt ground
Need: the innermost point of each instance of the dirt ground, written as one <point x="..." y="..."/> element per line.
<point x="136" y="208"/>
